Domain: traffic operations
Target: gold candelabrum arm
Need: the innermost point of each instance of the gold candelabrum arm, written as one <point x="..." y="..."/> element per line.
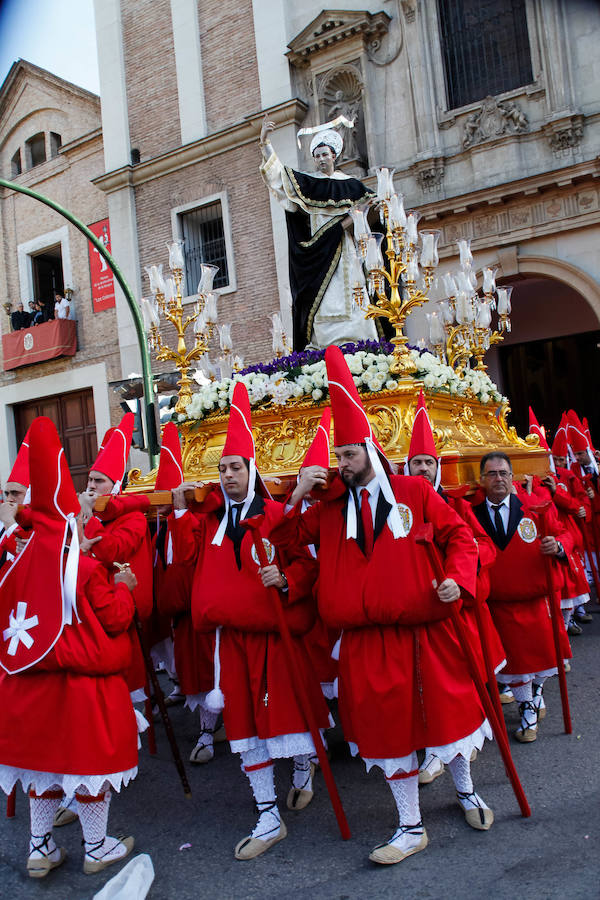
<point x="182" y="356"/>
<point x="395" y="304"/>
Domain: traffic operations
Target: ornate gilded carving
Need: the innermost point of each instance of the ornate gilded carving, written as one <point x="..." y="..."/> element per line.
<point x="463" y="431"/>
<point x="284" y="444"/>
<point x="465" y="422"/>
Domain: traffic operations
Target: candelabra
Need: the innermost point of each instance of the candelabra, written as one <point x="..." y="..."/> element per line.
<point x="461" y="329"/>
<point x="400" y="287"/>
<point x="281" y="347"/>
<point x="167" y="301"/>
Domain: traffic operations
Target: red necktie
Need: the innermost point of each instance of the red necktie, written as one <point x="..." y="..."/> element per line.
<point x="367" y="521"/>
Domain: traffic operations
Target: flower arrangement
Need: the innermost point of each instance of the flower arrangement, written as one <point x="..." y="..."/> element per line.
<point x="303" y="376"/>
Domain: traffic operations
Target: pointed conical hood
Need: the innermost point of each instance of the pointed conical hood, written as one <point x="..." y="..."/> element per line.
<point x="575" y="433"/>
<point x="105" y="439"/>
<point x="586" y="431"/>
<point x="352" y="426"/>
<point x="112" y="459"/>
<point x="560" y="446"/>
<point x="536" y="428"/>
<point x="52" y="490"/>
<point x="421" y="439"/>
<point x="19" y="473"/>
<point x="350" y="422"/>
<point x="170" y="470"/>
<point x="318" y="452"/>
<point x="239" y="441"/>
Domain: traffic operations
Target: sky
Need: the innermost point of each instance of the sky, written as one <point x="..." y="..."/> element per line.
<point x="58" y="35"/>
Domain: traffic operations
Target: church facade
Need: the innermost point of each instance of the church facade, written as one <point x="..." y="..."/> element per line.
<point x="488" y="110"/>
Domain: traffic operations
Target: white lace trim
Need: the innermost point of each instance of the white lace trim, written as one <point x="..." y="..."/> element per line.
<point x="280" y="747"/>
<point x="511" y="679"/>
<point x="464" y="747"/>
<point x="193" y="701"/>
<point x="43" y="781"/>
<point x="566" y="603"/>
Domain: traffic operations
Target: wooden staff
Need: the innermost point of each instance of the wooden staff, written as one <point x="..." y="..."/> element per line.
<point x="556" y="619"/>
<point x="425" y="536"/>
<point x="489" y="669"/>
<point x="254" y="525"/>
<point x="160" y="700"/>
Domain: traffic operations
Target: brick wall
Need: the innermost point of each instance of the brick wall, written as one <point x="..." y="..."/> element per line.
<point x="151" y="77"/>
<point x="236" y="173"/>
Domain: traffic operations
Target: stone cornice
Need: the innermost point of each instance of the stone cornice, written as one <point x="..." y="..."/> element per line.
<point x="504" y="193"/>
<point x="292" y="112"/>
<point x="332" y="26"/>
<point x="80" y="142"/>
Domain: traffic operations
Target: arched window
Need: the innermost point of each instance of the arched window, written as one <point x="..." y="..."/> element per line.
<point x="15" y="165"/>
<point x="485" y="48"/>
<point x="55" y="144"/>
<point x="36" y="150"/>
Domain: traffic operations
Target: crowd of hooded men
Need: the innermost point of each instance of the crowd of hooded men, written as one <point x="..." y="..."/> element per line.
<point x="238" y="595"/>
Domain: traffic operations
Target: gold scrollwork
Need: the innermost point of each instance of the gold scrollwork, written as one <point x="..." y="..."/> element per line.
<point x="283" y="445"/>
<point x="464" y="420"/>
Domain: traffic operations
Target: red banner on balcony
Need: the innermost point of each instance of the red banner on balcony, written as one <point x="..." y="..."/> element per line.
<point x="58" y="337"/>
<point x="103" y="285"/>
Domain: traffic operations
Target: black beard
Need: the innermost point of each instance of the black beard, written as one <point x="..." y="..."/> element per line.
<point x="358" y="478"/>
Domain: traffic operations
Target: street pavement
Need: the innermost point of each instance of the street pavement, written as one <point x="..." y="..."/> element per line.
<point x="553" y="854"/>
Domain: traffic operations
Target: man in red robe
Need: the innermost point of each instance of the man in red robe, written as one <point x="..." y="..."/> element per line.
<point x="231" y="593"/>
<point x="519" y="590"/>
<point x="403" y="682"/>
<point x="423" y="460"/>
<point x="119" y="534"/>
<point x="67" y="725"/>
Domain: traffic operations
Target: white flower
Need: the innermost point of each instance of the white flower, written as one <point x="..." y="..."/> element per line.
<point x="391" y="384"/>
<point x="429" y="381"/>
<point x="317" y="394"/>
<point x="485" y="398"/>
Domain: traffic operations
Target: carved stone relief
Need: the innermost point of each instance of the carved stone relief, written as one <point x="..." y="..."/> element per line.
<point x="493" y="119"/>
<point x="340" y="92"/>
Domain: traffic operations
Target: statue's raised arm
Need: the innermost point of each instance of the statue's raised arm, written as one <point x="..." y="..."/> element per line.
<point x="320" y="250"/>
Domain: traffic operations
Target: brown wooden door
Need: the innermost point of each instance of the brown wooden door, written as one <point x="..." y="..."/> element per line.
<point x="73" y="415"/>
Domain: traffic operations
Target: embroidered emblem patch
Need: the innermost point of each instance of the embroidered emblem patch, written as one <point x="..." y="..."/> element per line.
<point x="527" y="530"/>
<point x="406" y="518"/>
<point x="269" y="550"/>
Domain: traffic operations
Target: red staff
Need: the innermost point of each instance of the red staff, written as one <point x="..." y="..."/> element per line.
<point x="10" y="803"/>
<point x="556" y="618"/>
<point x="425" y="536"/>
<point x="254" y="525"/>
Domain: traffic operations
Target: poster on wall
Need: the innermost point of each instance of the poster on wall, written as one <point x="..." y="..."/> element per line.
<point x="103" y="286"/>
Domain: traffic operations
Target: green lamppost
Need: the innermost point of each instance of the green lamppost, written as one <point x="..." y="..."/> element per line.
<point x="149" y="413"/>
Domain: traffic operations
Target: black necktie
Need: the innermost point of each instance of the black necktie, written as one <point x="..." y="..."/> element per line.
<point x="498" y="523"/>
<point x="236" y="509"/>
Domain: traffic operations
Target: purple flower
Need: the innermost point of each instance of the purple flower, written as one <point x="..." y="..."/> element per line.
<point x="290" y="365"/>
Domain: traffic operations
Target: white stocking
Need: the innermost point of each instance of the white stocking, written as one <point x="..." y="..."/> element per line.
<point x="301" y="779"/>
<point x="258" y="768"/>
<point x="460" y="769"/>
<point x="93" y="815"/>
<point x="405" y="790"/>
<point x="42" y="809"/>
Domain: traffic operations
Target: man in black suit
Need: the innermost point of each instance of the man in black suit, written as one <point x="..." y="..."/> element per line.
<point x="19" y="318"/>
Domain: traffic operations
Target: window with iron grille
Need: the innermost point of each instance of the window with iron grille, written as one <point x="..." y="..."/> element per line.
<point x="485" y="48"/>
<point x="204" y="235"/>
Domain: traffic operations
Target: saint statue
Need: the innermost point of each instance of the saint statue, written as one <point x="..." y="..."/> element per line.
<point x="320" y="248"/>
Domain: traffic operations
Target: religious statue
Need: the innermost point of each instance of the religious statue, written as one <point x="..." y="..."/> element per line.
<point x="320" y="248"/>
